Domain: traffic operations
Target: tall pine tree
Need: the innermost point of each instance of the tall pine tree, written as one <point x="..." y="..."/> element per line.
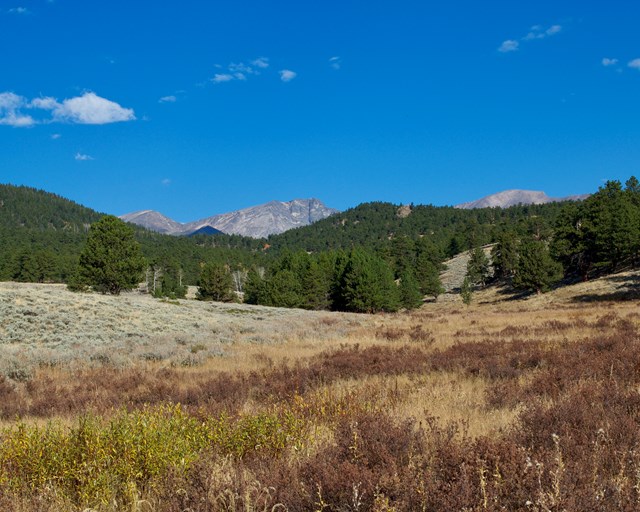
<point x="111" y="260"/>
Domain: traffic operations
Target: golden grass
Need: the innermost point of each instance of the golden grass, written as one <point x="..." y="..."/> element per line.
<point x="299" y="340"/>
<point x="448" y="396"/>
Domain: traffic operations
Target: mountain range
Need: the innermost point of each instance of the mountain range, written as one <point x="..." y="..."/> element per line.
<point x="257" y="221"/>
<point x="276" y="217"/>
<point x="514" y="197"/>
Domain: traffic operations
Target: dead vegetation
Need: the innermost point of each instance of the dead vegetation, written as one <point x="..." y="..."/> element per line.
<point x="503" y="405"/>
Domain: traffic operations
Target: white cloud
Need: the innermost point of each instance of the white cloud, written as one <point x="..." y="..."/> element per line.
<point x="535" y="32"/>
<point x="82" y="157"/>
<point x="9" y="100"/>
<point x="335" y="62"/>
<point x="261" y="62"/>
<point x="168" y="99"/>
<point x="553" y="29"/>
<point x="17" y="120"/>
<point x="533" y="35"/>
<point x="286" y="75"/>
<point x="219" y="78"/>
<point x="10" y="115"/>
<point x="92" y="109"/>
<point x="55" y="136"/>
<point x="166" y="182"/>
<point x="86" y="109"/>
<point x="635" y="64"/>
<point x="509" y="46"/>
<point x="609" y="62"/>
<point x="19" y="10"/>
<point x="47" y="103"/>
<point x="240" y="70"/>
<point x="538" y="32"/>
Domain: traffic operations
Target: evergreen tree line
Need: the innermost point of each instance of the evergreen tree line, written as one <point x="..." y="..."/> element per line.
<point x="42" y="236"/>
<point x="602" y="233"/>
<point x="596" y="236"/>
<point x="450" y="229"/>
<point x="359" y="280"/>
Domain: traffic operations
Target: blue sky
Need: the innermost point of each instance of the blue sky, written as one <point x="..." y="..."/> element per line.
<point x="195" y="108"/>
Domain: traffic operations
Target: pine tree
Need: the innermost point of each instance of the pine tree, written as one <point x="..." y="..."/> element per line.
<point x="536" y="270"/>
<point x="254" y="287"/>
<point x="632" y="190"/>
<point x="466" y="291"/>
<point x="111" y="260"/>
<point x="284" y="290"/>
<point x="215" y="283"/>
<point x="403" y="255"/>
<point x="478" y="267"/>
<point x="367" y="284"/>
<point x="428" y="276"/>
<point x="611" y="226"/>
<point x="409" y="291"/>
<point x="504" y="255"/>
<point x="570" y="244"/>
<point x="317" y="286"/>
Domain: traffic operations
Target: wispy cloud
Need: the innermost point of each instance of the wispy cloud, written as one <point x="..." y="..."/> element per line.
<point x="606" y="62"/>
<point x="535" y="33"/>
<point x="168" y="99"/>
<point x="634" y="64"/>
<point x="19" y="10"/>
<point x="219" y="78"/>
<point x="335" y="62"/>
<point x="509" y="45"/>
<point x="10" y="114"/>
<point x="261" y="62"/>
<point x="240" y="70"/>
<point x="86" y="109"/>
<point x="82" y="157"/>
<point x="286" y="75"/>
<point x="166" y="182"/>
<point x="55" y="136"/>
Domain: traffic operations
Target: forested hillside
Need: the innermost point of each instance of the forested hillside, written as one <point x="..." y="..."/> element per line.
<point x="374" y="257"/>
<point x="452" y="230"/>
<point x="42" y="235"/>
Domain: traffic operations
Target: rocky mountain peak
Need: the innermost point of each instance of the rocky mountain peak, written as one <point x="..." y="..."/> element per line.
<point x="514" y="197"/>
<point x="256" y="221"/>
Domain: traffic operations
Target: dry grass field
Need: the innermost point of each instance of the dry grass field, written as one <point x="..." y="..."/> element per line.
<point x="130" y="403"/>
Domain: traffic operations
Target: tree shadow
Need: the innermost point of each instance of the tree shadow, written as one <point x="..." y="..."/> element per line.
<point x="509" y="293"/>
<point x="628" y="289"/>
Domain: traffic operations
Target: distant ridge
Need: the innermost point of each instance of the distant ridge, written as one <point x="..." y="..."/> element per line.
<point x="154" y="221"/>
<point x="257" y="221"/>
<point x="514" y="197"/>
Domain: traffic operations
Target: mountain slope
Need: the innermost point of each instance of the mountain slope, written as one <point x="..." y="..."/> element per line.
<point x="376" y="224"/>
<point x="256" y="222"/>
<point x="514" y="197"/>
<point x="154" y="221"/>
<point x="267" y="219"/>
<point x="42" y="236"/>
<point x="30" y="208"/>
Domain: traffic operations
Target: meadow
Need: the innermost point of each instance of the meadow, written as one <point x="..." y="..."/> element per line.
<point x="130" y="403"/>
